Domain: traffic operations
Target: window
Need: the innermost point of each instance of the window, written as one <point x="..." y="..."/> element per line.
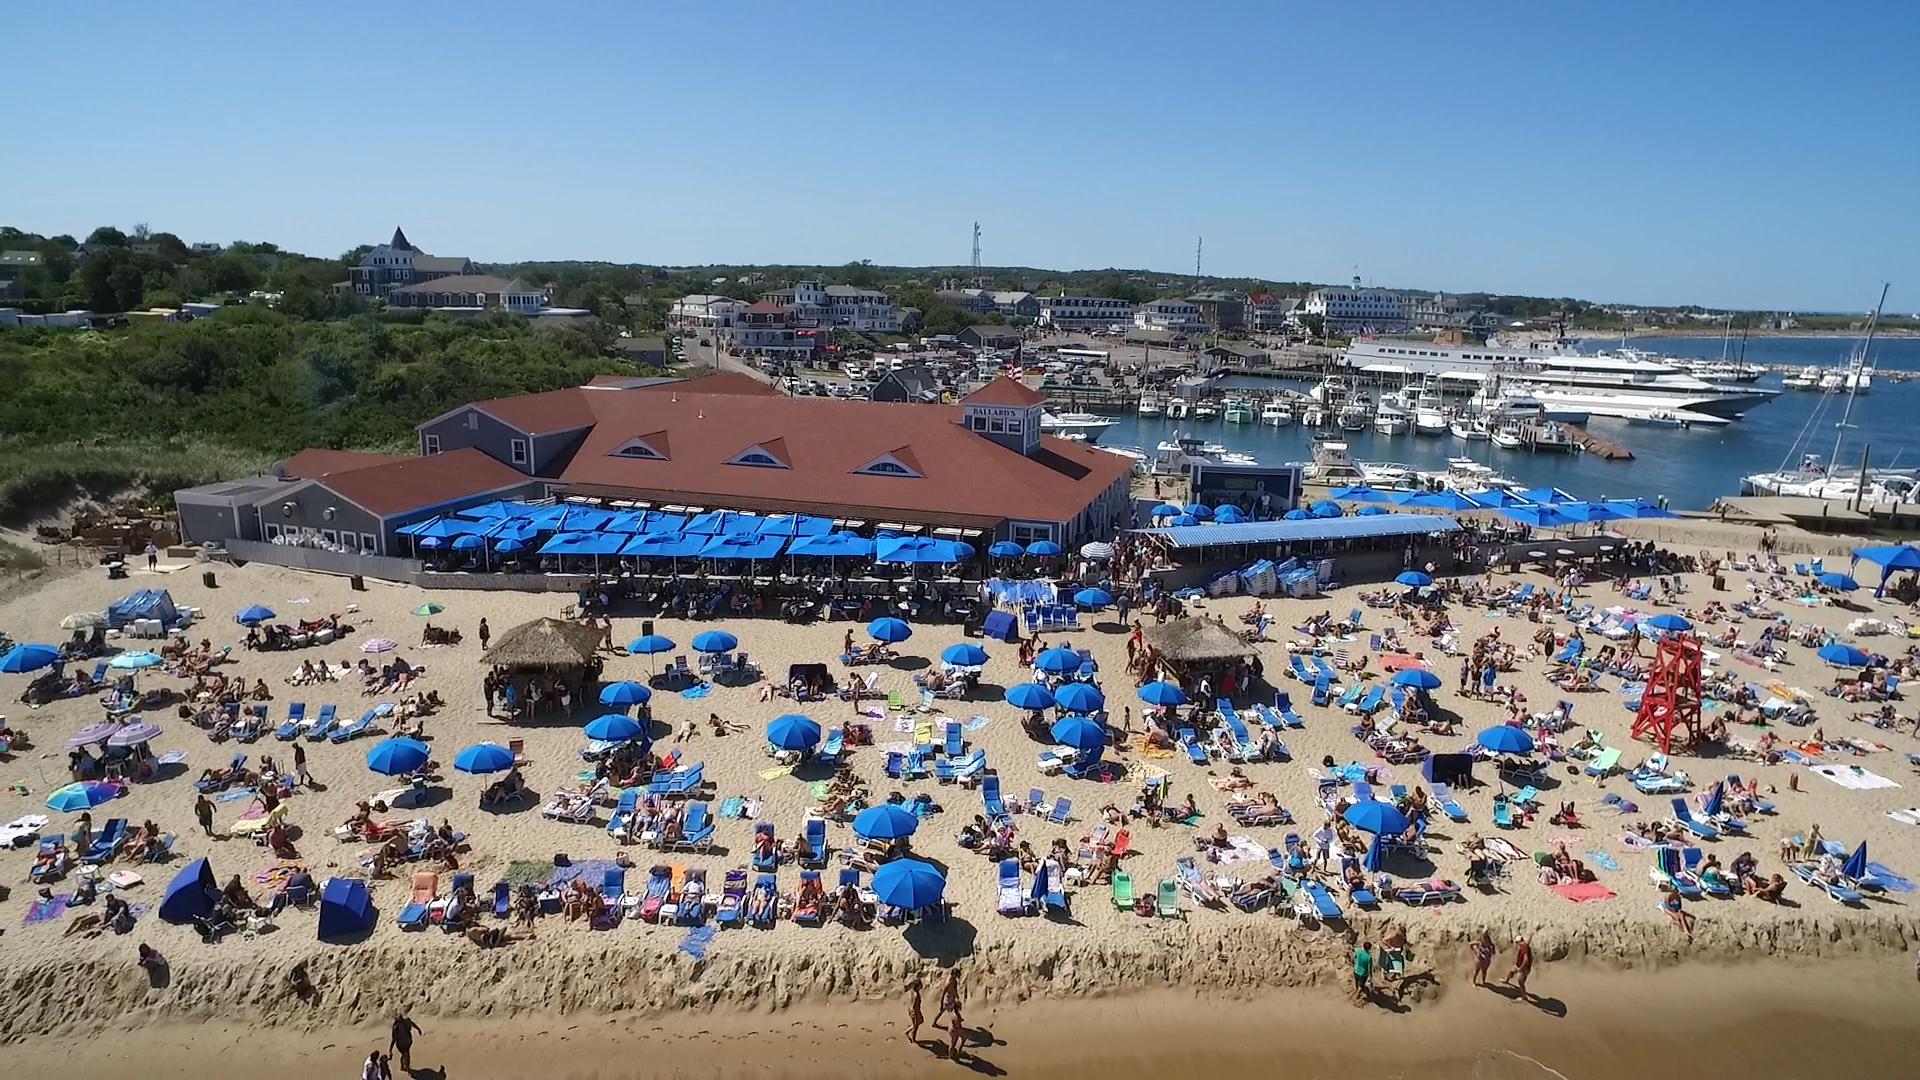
<point x="431" y="444"/>
<point x="996" y="427"/>
<point x="272" y="530"/>
<point x="887" y="468"/>
<point x="637" y="450"/>
<point x="755" y="457"/>
<point x="517" y="451"/>
<point x="367" y="543"/>
<point x="1013" y="427"/>
<point x="330" y="536"/>
<point x="979" y="423"/>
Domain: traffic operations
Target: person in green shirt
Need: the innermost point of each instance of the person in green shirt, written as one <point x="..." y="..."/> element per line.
<point x="1362" y="969"/>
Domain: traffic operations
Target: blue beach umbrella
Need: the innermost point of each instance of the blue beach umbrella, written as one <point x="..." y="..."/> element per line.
<point x="1030" y="696"/>
<point x="1296" y="514"/>
<point x="713" y="641"/>
<point x="1326" y="508"/>
<point x="1080" y="733"/>
<point x="1670" y="623"/>
<point x="24" y="658"/>
<point x="909" y="884"/>
<point x="649" y="645"/>
<point x="431" y="543"/>
<point x="1163" y="693"/>
<point x="1843" y="655"/>
<point x="889" y="630"/>
<point x="1416" y="679"/>
<point x="1006" y="549"/>
<point x="965" y="654"/>
<point x="1370" y="511"/>
<point x="1377" y="817"/>
<point x="1043" y="548"/>
<point x="794" y="732"/>
<point x="1080" y="697"/>
<point x="1856" y="864"/>
<point x="884" y="822"/>
<point x="134" y="661"/>
<point x="1166" y="510"/>
<point x="1093" y="598"/>
<point x="1413" y="579"/>
<point x="254" y="615"/>
<point x="1837" y="581"/>
<point x="1506" y="739"/>
<point x="1228" y="515"/>
<point x="1716" y="797"/>
<point x="396" y="757"/>
<point x="82" y="796"/>
<point x="510" y="546"/>
<point x="1182" y="522"/>
<point x="484" y="757"/>
<point x="613" y="727"/>
<point x="624" y="695"/>
<point x="469" y="542"/>
<point x="1058" y="660"/>
<point x="1376" y="857"/>
<point x="1199" y="511"/>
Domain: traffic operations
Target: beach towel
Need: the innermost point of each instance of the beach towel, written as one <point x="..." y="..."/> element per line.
<point x="902" y="724"/>
<point x="528" y="872"/>
<point x="874" y="714"/>
<point x="696" y="942"/>
<point x="1581" y="892"/>
<point x="1145" y="749"/>
<point x="694" y="693"/>
<point x="591" y="871"/>
<point x="975" y="723"/>
<point x="1853" y="777"/>
<point x="172" y="757"/>
<point x="1241" y="849"/>
<point x="734" y="807"/>
<point x="820" y="790"/>
<point x="776" y="772"/>
<point x="1906" y="817"/>
<point x="275" y="878"/>
<point x="1602" y="860"/>
<point x="45" y="911"/>
<point x="235" y="795"/>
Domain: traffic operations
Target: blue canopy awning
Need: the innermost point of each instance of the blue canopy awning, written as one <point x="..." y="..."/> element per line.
<point x="1547" y="496"/>
<point x="836" y="545"/>
<point x="724" y="522"/>
<point x="742" y="546"/>
<point x="915" y="550"/>
<point x="1311" y="529"/>
<point x="583" y="543"/>
<point x="795" y="525"/>
<point x="445" y="528"/>
<point x="665" y="545"/>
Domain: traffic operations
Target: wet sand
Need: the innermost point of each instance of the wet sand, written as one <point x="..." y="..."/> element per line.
<point x="1850" y="1018"/>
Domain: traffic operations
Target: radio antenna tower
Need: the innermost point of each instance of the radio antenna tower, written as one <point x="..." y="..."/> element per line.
<point x="976" y="249"/>
<point x="1199" y="244"/>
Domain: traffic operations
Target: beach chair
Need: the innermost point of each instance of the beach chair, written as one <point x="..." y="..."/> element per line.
<point x="1283" y="704"/>
<point x="769" y="861"/>
<point x="614" y="901"/>
<point x="296" y="719"/>
<point x="1166" y="902"/>
<point x="1605" y="763"/>
<point x="659" y="888"/>
<point x="697" y="832"/>
<point x="1692" y="858"/>
<point x="1190" y="742"/>
<point x="1683" y="815"/>
<point x="1122" y="890"/>
<point x="347" y="732"/>
<point x="990" y="795"/>
<point x="1443" y="794"/>
<point x="693" y="899"/>
<point x="687" y="781"/>
<point x="1526" y="796"/>
<point x="765" y="889"/>
<point x="1062" y="811"/>
<point x="1298" y="666"/>
<point x="297" y="723"/>
<point x="814" y="840"/>
<point x="1322" y="691"/>
<point x="833" y="747"/>
<point x="809" y="914"/>
<point x="502" y="899"/>
<point x="1325" y="670"/>
<point x="1013" y="900"/>
<point x="1502" y="814"/>
<point x="733" y="899"/>
<point x="1371" y="702"/>
<point x="1570" y="652"/>
<point x="1838" y="893"/>
<point x="322" y="729"/>
<point x="1761" y="805"/>
<point x="680" y="672"/>
<point x="1324" y="905"/>
<point x="955" y="742"/>
<point x="1419" y="893"/>
<point x="107" y="844"/>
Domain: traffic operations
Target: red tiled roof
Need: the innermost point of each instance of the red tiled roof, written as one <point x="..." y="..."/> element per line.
<point x="824" y="441"/>
<point x="766" y="307"/>
<point x="1005" y="391"/>
<point x="541" y="414"/>
<point x="410" y="483"/>
<point x="725" y="382"/>
<point x="312" y="464"/>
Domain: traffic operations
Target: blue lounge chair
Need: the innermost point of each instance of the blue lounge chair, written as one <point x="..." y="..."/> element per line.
<point x="1325" y="669"/>
<point x="1362" y="792"/>
<point x="1234" y="724"/>
<point x="297" y="720"/>
<point x="107" y="844"/>
<point x="990" y="796"/>
<point x="348" y="731"/>
<point x="1013" y="900"/>
<point x="1283" y="704"/>
<point x="1062" y="811"/>
<point x="1298" y="665"/>
<point x="761" y="910"/>
<point x="1195" y="752"/>
<point x="502" y="900"/>
<point x="815" y="839"/>
<point x="1443" y="794"/>
<point x="1324" y="905"/>
<point x="1809" y="873"/>
<point x="956" y="743"/>
<point x="696" y="833"/>
<point x="1571" y="651"/>
<point x="833" y="747"/>
<point x="692" y="910"/>
<point x="623" y="811"/>
<point x="1502" y="814"/>
<point x="413" y="917"/>
<point x="733" y="899"/>
<point x="322" y="729"/>
<point x="1322" y="691"/>
<point x="810" y="916"/>
<point x="1761" y="805"/>
<point x="1374" y="699"/>
<point x="1684" y="815"/>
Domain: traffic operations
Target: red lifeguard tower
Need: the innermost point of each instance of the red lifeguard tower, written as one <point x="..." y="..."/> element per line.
<point x="1672" y="698"/>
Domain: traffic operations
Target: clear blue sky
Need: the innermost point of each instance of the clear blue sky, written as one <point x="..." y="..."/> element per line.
<point x="1756" y="153"/>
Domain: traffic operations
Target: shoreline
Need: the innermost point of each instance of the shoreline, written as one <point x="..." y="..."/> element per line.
<point x="1718" y="332"/>
<point x="1581" y="1021"/>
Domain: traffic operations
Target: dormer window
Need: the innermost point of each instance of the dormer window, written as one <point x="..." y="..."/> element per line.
<point x="643" y="448"/>
<point x="770" y="455"/>
<point x="901" y="462"/>
<point x="756" y="457"/>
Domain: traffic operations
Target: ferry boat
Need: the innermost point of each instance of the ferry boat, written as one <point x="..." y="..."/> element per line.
<point x="1085" y="427"/>
<point x="1623" y="384"/>
<point x="1275" y="414"/>
<point x="1391" y="420"/>
<point x="1238" y="411"/>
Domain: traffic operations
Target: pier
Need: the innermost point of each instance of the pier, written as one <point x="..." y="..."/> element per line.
<point x="1594" y="444"/>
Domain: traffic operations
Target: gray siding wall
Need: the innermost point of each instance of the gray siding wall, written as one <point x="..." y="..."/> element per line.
<point x="311" y="501"/>
<point x="201" y="522"/>
<point x="331" y="562"/>
<point x="473" y="428"/>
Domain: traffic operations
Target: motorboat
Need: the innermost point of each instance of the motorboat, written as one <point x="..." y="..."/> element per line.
<point x="1507" y="437"/>
<point x="1173" y="456"/>
<point x="1331" y="390"/>
<point x="1315" y="416"/>
<point x="1391" y="420"/>
<point x="1086" y="426"/>
<point x="1206" y="410"/>
<point x="1333" y="465"/>
<point x="1682" y="420"/>
<point x="1140" y="458"/>
<point x="1238" y="411"/>
<point x="1149" y="405"/>
<point x="1275" y="414"/>
<point x="1355" y="416"/>
<point x="1471" y="428"/>
<point x="1178" y="409"/>
<point x="1807" y="378"/>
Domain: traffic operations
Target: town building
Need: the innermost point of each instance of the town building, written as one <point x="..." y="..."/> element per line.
<point x="470" y="292"/>
<point x="848" y="307"/>
<point x="703" y="311"/>
<point x="397" y="264"/>
<point x="772" y="331"/>
<point x="1016" y="305"/>
<point x="1176" y="315"/>
<point x="1356" y="310"/>
<point x="914" y="383"/>
<point x="644" y="351"/>
<point x="989" y="337"/>
<point x="1084" y="312"/>
<point x="1270" y="314"/>
<point x="1440" y="311"/>
<point x="978" y="301"/>
<point x="1221" y="310"/>
<point x="1234" y="356"/>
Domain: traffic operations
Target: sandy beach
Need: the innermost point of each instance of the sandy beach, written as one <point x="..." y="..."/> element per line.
<point x="619" y="984"/>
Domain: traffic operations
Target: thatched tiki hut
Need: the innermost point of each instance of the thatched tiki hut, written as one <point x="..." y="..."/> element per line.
<point x="549" y="664"/>
<point x="1195" y="646"/>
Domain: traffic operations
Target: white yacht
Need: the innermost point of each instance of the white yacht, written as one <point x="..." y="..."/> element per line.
<point x="1429" y="412"/>
<point x="1355" y="415"/>
<point x="1085" y="427"/>
<point x="1206" y="410"/>
<point x="1275" y="413"/>
<point x="1807" y="378"/>
<point x="1391" y="420"/>
<point x="1178" y="409"/>
<point x="1685" y="421"/>
<point x="1316" y="416"/>
<point x="1149" y="405"/>
<point x="1333" y="465"/>
<point x="1141" y="460"/>
<point x="1174" y="455"/>
<point x="1471" y="428"/>
<point x="1507" y="437"/>
<point x="1238" y="411"/>
<point x="1621" y="384"/>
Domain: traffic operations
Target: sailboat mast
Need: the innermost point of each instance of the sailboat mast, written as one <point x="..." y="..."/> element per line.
<point x="1853" y="384"/>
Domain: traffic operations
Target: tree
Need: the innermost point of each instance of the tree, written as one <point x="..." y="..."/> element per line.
<point x="111" y="280"/>
<point x="170" y="247"/>
<point x="860" y="273"/>
<point x="106" y="236"/>
<point x="231" y="273"/>
<point x="1316" y="324"/>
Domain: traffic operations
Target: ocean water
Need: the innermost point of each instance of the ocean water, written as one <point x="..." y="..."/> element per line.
<point x="1691" y="468"/>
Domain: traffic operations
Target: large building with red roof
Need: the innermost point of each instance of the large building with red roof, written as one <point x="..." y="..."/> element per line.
<point x="728" y="441"/>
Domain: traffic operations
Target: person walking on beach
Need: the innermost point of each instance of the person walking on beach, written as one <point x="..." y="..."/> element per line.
<point x="404" y="1029"/>
<point x="153" y="555"/>
<point x="914" y="1015"/>
<point x="1362" y="971"/>
<point x="300" y="772"/>
<point x="949" y="996"/>
<point x="1522" y="967"/>
<point x="485" y="633"/>
<point x="1323" y="845"/>
<point x="956" y="1034"/>
<point x="203" y="812"/>
<point x="1482" y="958"/>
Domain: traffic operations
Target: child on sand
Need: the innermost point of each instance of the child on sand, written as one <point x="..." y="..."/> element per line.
<point x="914" y="1015"/>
